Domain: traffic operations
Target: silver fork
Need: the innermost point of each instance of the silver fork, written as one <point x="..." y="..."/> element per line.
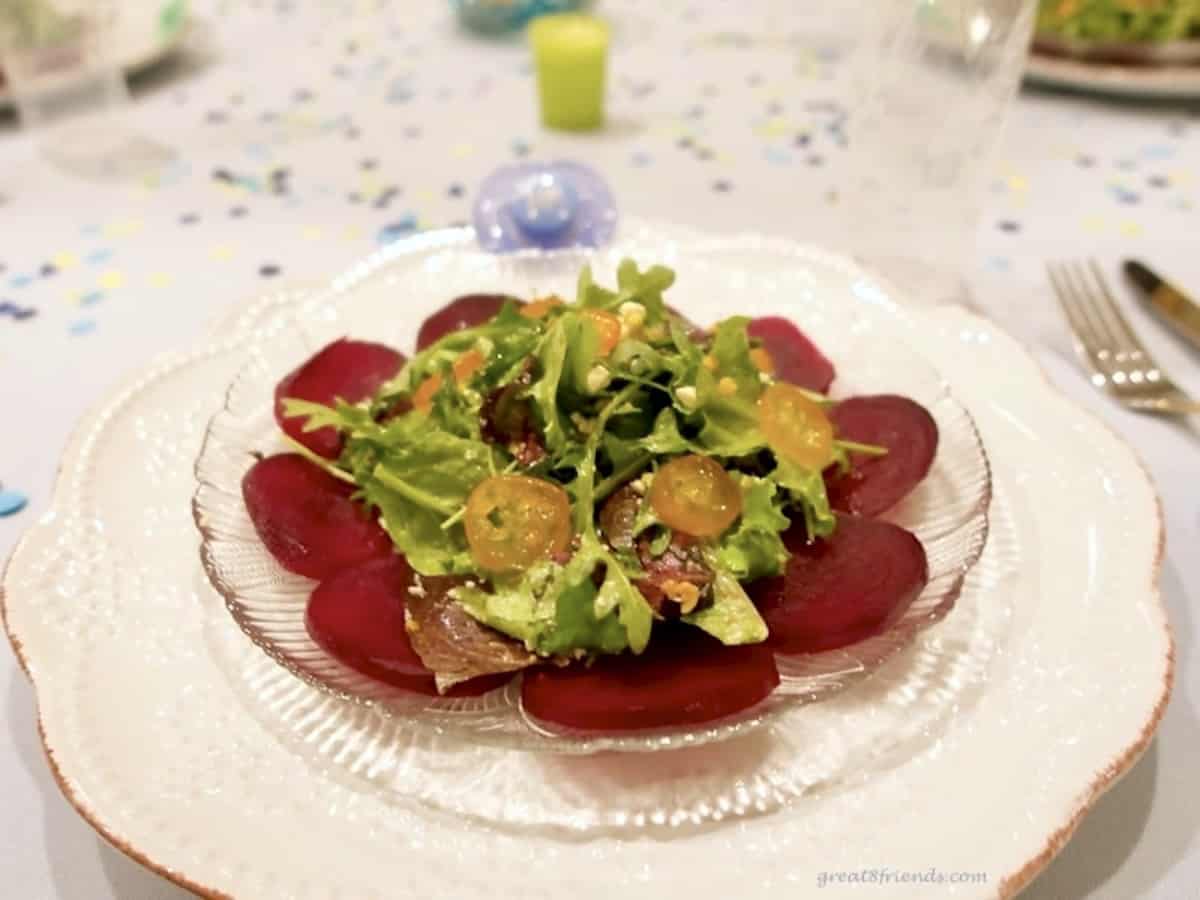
<point x="1109" y="348"/>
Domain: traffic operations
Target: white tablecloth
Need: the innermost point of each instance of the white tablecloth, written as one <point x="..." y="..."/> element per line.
<point x="306" y="134"/>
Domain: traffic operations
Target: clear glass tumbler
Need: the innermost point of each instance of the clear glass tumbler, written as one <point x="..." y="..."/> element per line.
<point x="931" y="82"/>
<point x="57" y="58"/>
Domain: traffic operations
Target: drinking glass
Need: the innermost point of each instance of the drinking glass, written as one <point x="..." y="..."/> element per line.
<point x="930" y="83"/>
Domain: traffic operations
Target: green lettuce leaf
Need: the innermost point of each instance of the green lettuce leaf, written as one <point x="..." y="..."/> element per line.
<point x="551" y="608"/>
<point x="806" y="487"/>
<point x="731" y="617"/>
<point x="753" y="548"/>
<point x="730" y="419"/>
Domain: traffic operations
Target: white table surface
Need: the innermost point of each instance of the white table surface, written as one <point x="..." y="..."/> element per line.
<point x="357" y="98"/>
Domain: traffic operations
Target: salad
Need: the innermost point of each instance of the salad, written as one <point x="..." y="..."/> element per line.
<point x="1116" y="21"/>
<point x="635" y="513"/>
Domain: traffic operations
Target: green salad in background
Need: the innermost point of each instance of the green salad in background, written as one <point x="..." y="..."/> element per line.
<point x="1120" y="20"/>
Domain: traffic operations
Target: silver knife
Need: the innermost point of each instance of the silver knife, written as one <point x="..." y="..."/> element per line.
<point x="1173" y="306"/>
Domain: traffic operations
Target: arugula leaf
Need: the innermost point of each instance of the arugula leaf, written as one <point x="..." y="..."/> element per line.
<point x="731" y="617"/>
<point x="354" y="420"/>
<point x="553" y="609"/>
<point x="419" y="475"/>
<point x="753" y="548"/>
<point x="807" y="489"/>
<point x="551" y="355"/>
<point x="730" y="416"/>
<point x="665" y="439"/>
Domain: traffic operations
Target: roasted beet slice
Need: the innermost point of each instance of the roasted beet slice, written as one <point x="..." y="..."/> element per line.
<point x="306" y="518"/>
<point x="841" y="590"/>
<point x="351" y="370"/>
<point x="684" y="677"/>
<point x="461" y="312"/>
<point x="877" y="483"/>
<point x="357" y="616"/>
<point x="797" y="359"/>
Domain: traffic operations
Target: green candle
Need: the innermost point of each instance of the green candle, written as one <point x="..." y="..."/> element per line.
<point x="569" y="51"/>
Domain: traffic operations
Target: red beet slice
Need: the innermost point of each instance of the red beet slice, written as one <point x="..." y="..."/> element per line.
<point x="357" y="616"/>
<point x="797" y="359"/>
<point x="876" y="484"/>
<point x="306" y="518"/>
<point x="461" y="312"/>
<point x="841" y="590"/>
<point x="351" y="370"/>
<point x="683" y="678"/>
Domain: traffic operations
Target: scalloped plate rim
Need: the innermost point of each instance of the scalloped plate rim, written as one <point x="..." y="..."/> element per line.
<point x="1057" y="834"/>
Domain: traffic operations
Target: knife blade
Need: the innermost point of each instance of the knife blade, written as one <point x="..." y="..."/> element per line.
<point x="1173" y="306"/>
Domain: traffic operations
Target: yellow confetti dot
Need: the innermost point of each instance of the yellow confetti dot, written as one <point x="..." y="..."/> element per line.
<point x="123" y="227"/>
<point x="222" y="252"/>
<point x="1181" y="177"/>
<point x="461" y="151"/>
<point x="64" y="260"/>
<point x="777" y="126"/>
<point x="1130" y="229"/>
<point x="352" y="232"/>
<point x="423" y="196"/>
<point x="1093" y="224"/>
<point x="1017" y="183"/>
<point x="161" y="279"/>
<point x="312" y="232"/>
<point x="111" y="280"/>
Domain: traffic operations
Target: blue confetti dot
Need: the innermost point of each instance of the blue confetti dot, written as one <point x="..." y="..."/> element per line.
<point x="20" y="281"/>
<point x="402" y="227"/>
<point x="1158" y="151"/>
<point x="96" y="257"/>
<point x="91" y="298"/>
<point x="12" y="502"/>
<point x="778" y="155"/>
<point x="82" y="327"/>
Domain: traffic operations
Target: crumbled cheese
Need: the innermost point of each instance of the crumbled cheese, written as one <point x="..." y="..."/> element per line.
<point x="598" y="378"/>
<point x="686" y="594"/>
<point x="638" y="485"/>
<point x="710" y="362"/>
<point x="726" y="387"/>
<point x="485" y="346"/>
<point x="765" y="378"/>
<point x="687" y="396"/>
<point x="632" y="314"/>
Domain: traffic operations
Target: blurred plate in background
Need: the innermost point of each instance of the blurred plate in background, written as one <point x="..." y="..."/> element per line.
<point x="146" y="31"/>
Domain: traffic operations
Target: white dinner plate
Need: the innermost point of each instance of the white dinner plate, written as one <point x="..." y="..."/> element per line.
<point x="1168" y="81"/>
<point x="140" y="39"/>
<point x="990" y="736"/>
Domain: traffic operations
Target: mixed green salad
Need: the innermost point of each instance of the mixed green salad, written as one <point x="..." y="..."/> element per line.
<point x="1120" y="20"/>
<point x="579" y="462"/>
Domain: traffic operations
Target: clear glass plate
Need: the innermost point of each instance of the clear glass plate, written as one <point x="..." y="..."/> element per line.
<point x="948" y="512"/>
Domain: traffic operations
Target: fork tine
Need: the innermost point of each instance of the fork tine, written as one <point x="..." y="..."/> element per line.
<point x="1086" y="301"/>
<point x="1107" y="304"/>
<point x="1084" y="340"/>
